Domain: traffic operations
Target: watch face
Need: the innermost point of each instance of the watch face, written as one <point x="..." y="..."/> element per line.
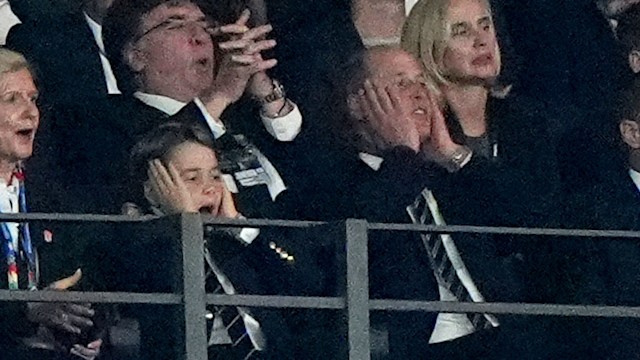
<point x="276" y="94"/>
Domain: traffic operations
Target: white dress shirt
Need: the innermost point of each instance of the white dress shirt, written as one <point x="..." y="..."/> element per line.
<point x="7" y="20"/>
<point x="109" y="77"/>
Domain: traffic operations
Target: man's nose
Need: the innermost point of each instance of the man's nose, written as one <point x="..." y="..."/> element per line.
<point x="198" y="33"/>
<point x="481" y="38"/>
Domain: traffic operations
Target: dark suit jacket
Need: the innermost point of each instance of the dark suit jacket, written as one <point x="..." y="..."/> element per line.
<point x="515" y="189"/>
<point x="140" y="259"/>
<point x="602" y="270"/>
<point x="64" y="53"/>
<point x="57" y="259"/>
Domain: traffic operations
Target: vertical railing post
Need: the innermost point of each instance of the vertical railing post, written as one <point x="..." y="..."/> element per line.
<point x="357" y="289"/>
<point x="193" y="287"/>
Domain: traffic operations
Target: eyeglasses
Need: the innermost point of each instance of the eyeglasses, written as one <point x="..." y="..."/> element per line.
<point x="180" y="25"/>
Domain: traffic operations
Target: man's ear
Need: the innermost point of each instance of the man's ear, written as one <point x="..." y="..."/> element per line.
<point x="149" y="194"/>
<point x="353" y="104"/>
<point x="634" y="61"/>
<point x="630" y="131"/>
<point x="134" y="57"/>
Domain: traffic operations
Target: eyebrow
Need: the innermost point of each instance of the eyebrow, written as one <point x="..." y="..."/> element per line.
<point x="485" y="19"/>
<point x="459" y="25"/>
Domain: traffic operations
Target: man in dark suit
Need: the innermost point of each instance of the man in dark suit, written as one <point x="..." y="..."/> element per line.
<point x="602" y="270"/>
<point x="401" y="133"/>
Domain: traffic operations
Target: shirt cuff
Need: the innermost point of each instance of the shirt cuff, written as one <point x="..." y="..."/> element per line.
<point x="286" y="127"/>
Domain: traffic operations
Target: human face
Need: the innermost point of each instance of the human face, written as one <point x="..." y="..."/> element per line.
<point x="198" y="168"/>
<point x="471" y="53"/>
<point x="174" y="52"/>
<point x="398" y="67"/>
<point x="19" y="115"/>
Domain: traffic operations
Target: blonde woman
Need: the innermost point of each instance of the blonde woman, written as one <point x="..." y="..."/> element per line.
<point x="510" y="180"/>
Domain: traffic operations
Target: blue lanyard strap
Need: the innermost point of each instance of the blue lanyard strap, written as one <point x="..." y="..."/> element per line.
<point x="24" y="239"/>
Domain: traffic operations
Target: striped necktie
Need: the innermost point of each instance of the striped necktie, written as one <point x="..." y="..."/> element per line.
<point x="444" y="258"/>
<point x="233" y="332"/>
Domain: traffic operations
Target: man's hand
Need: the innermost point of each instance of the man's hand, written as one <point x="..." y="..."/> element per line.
<point x="168" y="189"/>
<point x="438" y="146"/>
<point x="387" y="117"/>
<point x="241" y="59"/>
<point x="69" y="318"/>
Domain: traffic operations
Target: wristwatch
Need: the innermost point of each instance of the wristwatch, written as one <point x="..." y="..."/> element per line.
<point x="276" y="94"/>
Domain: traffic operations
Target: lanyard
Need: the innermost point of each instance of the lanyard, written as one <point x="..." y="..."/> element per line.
<point x="24" y="239"/>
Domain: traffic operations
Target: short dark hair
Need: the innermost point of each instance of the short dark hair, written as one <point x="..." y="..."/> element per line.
<point x="122" y="23"/>
<point x="628" y="29"/>
<point x="158" y="144"/>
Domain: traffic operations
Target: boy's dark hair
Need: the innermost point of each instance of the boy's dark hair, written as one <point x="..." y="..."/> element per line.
<point x="159" y="142"/>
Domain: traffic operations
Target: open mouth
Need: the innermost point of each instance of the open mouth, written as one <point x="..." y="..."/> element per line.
<point x="482" y="60"/>
<point x="208" y="210"/>
<point x="25" y="133"/>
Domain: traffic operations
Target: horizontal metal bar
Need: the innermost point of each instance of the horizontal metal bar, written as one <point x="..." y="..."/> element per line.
<point x="507" y="308"/>
<point x="452" y="229"/>
<point x="75" y="217"/>
<point x="326" y="303"/>
<point x="91" y="297"/>
<point x="277" y="301"/>
<point x="210" y="220"/>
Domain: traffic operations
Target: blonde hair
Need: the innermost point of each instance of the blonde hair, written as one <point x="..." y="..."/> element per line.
<point x="425" y="34"/>
<point x="11" y="61"/>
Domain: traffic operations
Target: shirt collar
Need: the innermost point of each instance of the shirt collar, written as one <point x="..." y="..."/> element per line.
<point x="96" y="29"/>
<point x="163" y="103"/>
<point x="635" y="176"/>
<point x="373" y="161"/>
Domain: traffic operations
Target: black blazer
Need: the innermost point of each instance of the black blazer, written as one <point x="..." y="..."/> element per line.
<point x="601" y="271"/>
<point x="65" y="55"/>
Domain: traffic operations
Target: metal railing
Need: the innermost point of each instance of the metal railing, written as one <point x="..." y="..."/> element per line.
<point x="189" y="291"/>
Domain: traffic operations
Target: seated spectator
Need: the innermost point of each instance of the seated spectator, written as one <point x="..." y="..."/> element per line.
<point x="505" y="140"/>
<point x="401" y="135"/>
<point x="601" y="270"/>
<point x="170" y="68"/>
<point x="33" y="330"/>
